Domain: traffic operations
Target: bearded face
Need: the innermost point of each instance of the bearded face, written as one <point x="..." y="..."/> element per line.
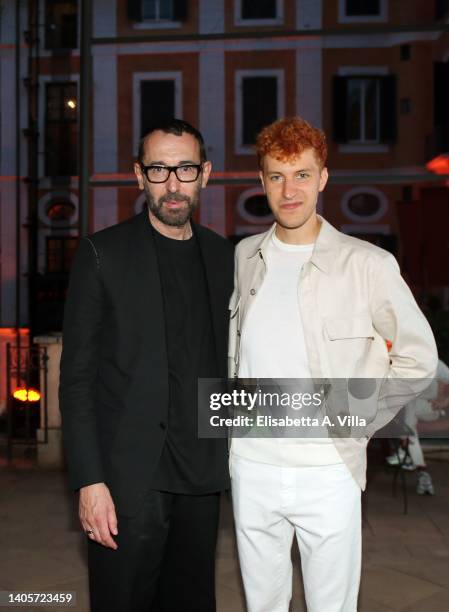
<point x="173" y="209"/>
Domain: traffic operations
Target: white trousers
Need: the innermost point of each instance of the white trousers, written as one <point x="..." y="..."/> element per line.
<point x="322" y="505"/>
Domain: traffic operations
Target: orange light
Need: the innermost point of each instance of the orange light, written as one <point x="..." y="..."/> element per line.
<point x="26" y="395"/>
<point x="439" y="164"/>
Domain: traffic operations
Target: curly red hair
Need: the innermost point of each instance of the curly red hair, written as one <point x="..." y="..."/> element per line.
<point x="289" y="137"/>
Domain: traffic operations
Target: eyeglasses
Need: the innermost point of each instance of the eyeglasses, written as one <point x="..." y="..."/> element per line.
<point x="187" y="173"/>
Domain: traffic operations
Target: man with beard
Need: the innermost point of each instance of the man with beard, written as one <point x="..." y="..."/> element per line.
<point x="146" y="316"/>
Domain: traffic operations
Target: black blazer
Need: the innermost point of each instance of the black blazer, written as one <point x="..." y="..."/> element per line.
<point x="113" y="390"/>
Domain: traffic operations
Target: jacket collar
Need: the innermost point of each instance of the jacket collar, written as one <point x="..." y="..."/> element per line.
<point x="323" y="254"/>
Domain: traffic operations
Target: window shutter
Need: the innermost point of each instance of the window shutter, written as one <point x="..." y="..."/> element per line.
<point x="388" y="108"/>
<point x="339" y="109"/>
<point x="180" y="10"/>
<point x="157" y="103"/>
<point x="259" y="105"/>
<point x="134" y="10"/>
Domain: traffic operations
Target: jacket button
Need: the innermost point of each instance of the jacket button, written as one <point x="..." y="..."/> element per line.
<point x="162" y="425"/>
<point x="253" y="292"/>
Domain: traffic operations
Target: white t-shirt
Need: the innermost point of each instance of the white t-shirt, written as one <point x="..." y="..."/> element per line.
<point x="273" y="346"/>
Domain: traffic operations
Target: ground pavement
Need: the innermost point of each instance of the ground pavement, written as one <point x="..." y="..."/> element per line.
<point x="405" y="558"/>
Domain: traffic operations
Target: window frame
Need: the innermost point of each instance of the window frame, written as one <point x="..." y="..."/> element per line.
<point x="279" y="74"/>
<point x="138" y="77"/>
<point x="156" y="24"/>
<point x="363" y="141"/>
<point x="48" y="232"/>
<point x="56" y="195"/>
<point x="45" y="80"/>
<point x="50" y="52"/>
<point x="364" y="72"/>
<point x="343" y="17"/>
<point x="239" y="21"/>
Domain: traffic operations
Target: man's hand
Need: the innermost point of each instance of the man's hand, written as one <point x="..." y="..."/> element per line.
<point x="97" y="514"/>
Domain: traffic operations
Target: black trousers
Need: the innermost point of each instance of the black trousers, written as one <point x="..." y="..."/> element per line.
<point x="165" y="561"/>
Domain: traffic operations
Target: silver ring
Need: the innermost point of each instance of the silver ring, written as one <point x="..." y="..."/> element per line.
<point x="89" y="532"/>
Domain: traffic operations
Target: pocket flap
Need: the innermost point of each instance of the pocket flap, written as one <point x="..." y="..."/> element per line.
<point x="357" y="326"/>
<point x="234" y="304"/>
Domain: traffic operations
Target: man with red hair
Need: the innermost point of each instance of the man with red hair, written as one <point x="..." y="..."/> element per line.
<point x="311" y="303"/>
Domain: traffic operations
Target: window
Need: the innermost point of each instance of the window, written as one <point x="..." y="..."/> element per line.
<point x="61" y="27"/>
<point x="157" y="103"/>
<point x="252" y="206"/>
<point x="60" y="253"/>
<point x="157" y="96"/>
<point x="438" y="141"/>
<point x="360" y="11"/>
<point x="262" y="9"/>
<point x="56" y="209"/>
<point x="259" y="102"/>
<point x="364" y="204"/>
<point x="60" y="211"/>
<point x="441" y="8"/>
<point x="262" y="12"/>
<point x="362" y="7"/>
<point x="257" y="206"/>
<point x="364" y="109"/>
<point x="61" y="129"/>
<point x="157" y="10"/>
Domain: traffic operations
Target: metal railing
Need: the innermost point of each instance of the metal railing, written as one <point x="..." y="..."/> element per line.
<point x="26" y="369"/>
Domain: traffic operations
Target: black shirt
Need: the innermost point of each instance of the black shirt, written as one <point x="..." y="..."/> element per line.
<point x="188" y="464"/>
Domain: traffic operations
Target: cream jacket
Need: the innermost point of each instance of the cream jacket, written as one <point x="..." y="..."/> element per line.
<point x="352" y="299"/>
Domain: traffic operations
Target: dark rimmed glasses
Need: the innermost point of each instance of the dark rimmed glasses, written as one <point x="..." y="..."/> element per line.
<point x="187" y="173"/>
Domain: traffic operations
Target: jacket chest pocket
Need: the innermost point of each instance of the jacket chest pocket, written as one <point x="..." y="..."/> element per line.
<point x="350" y="327"/>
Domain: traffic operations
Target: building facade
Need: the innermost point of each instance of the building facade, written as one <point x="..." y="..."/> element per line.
<point x="372" y="73"/>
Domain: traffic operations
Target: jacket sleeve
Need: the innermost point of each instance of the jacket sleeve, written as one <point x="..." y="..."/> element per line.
<point x="79" y="363"/>
<point x="413" y="356"/>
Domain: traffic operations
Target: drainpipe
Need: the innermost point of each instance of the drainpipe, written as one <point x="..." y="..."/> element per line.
<point x="85" y="114"/>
